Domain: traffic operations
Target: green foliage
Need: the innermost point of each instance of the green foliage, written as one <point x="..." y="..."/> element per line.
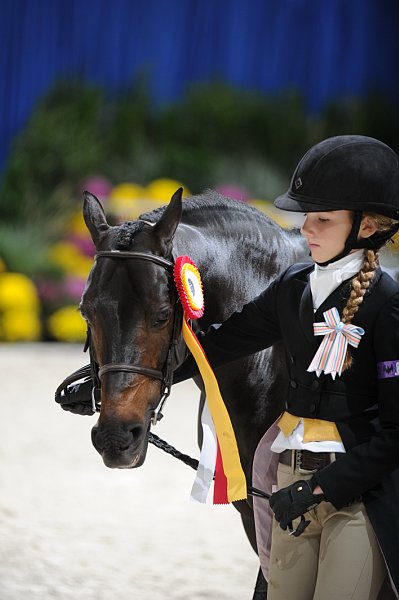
<point x="214" y="134"/>
<point x="60" y="144"/>
<point x="24" y="249"/>
<point x="373" y="115"/>
<point x="215" y="122"/>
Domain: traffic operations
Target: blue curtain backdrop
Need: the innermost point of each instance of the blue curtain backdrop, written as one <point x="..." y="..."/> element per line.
<point x="325" y="48"/>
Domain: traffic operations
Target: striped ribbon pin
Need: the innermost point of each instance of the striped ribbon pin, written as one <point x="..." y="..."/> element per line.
<point x="330" y="355"/>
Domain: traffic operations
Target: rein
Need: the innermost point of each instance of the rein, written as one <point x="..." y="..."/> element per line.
<point x="166" y="375"/>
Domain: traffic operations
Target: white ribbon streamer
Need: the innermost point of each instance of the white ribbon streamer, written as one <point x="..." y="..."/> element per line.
<point x="207" y="462"/>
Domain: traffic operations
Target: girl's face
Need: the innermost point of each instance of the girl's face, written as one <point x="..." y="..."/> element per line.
<point x="326" y="233"/>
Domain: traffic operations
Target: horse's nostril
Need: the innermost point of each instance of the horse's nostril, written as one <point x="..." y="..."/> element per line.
<point x="115" y="440"/>
<point x="127" y="442"/>
<point x="136" y="432"/>
<point x="97" y="439"/>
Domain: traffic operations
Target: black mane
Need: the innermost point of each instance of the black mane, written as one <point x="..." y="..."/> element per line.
<point x="211" y="201"/>
<point x="208" y="207"/>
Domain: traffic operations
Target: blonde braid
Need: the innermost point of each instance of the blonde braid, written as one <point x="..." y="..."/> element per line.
<point x="360" y="285"/>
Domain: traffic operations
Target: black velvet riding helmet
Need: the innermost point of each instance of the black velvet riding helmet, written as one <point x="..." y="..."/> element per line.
<point x="347" y="172"/>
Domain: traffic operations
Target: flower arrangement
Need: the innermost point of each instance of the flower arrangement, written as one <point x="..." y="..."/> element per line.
<point x="46" y="306"/>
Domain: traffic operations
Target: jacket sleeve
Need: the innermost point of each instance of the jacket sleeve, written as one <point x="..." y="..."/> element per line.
<point x="250" y="330"/>
<point x="364" y="466"/>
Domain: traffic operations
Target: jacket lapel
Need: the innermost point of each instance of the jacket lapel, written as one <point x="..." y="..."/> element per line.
<point x="306" y="314"/>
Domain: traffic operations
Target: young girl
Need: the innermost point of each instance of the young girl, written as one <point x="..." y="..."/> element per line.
<point x="337" y="444"/>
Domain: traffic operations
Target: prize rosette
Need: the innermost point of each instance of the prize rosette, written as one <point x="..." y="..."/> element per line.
<point x="219" y="460"/>
<point x="189" y="287"/>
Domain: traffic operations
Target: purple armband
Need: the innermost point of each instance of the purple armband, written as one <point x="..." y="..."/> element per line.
<point x="388" y="368"/>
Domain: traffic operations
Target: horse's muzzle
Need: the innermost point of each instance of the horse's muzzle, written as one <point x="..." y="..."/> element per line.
<point x="121" y="447"/>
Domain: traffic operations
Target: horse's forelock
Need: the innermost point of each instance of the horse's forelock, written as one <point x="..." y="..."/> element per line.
<point x="126" y="233"/>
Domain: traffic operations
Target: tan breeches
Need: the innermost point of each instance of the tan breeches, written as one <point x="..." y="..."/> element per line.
<point x="336" y="558"/>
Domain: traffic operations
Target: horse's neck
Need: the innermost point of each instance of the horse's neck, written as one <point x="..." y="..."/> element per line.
<point x="260" y="247"/>
<point x="237" y="260"/>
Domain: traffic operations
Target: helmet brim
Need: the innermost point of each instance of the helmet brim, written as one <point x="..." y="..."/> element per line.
<point x="296" y="203"/>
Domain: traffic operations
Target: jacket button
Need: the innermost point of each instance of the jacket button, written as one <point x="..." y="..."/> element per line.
<point x="315" y="385"/>
<point x="292" y="358"/>
<point x="293" y="384"/>
<point x="312" y="408"/>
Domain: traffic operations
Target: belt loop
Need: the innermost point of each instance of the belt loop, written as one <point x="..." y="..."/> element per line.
<point x="296" y="460"/>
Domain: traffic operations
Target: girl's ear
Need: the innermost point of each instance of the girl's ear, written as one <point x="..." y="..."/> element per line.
<point x="367" y="227"/>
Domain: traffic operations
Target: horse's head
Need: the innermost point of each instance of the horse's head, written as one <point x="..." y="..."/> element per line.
<point x="130" y="306"/>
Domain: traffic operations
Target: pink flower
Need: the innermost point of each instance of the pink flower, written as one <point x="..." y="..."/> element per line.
<point x="235" y="192"/>
<point x="73" y="287"/>
<point x="83" y="243"/>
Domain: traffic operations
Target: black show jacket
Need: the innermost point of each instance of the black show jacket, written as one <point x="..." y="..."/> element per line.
<point x="364" y="407"/>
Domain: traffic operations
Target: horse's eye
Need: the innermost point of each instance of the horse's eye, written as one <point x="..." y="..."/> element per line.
<point x="162" y="316"/>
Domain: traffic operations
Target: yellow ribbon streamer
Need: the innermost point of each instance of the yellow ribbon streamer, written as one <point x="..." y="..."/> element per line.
<point x="236" y="482"/>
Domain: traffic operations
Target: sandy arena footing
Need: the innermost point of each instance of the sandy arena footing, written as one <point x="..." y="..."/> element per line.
<point x="71" y="529"/>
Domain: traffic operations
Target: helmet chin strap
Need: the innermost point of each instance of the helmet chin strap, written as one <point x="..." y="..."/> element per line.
<point x="374" y="242"/>
<point x="351" y="241"/>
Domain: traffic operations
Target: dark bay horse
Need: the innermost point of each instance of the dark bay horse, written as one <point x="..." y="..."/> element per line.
<point x="130" y="307"/>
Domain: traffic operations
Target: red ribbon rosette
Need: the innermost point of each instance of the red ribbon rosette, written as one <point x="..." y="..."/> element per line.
<point x="189" y="287"/>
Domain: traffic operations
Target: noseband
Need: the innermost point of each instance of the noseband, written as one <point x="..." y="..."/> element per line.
<point x="166" y="375"/>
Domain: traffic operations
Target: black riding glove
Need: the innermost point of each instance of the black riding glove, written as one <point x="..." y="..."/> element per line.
<point x="77" y="398"/>
<point x="293" y="501"/>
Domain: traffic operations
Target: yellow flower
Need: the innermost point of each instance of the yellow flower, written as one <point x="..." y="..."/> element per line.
<point x="78" y="224"/>
<point x="123" y="201"/>
<point x="126" y="191"/>
<point x="64" y="254"/>
<point x="17" y="292"/>
<point x="123" y="208"/>
<point x="67" y="325"/>
<point x="82" y="266"/>
<point x="68" y="257"/>
<point x="129" y="200"/>
<point x="20" y="325"/>
<point x="162" y="189"/>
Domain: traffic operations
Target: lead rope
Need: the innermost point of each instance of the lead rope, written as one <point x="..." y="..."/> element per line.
<point x="193" y="462"/>
<point x="87" y="372"/>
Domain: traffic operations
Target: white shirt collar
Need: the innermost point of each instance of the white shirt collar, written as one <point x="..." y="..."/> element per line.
<point x="324" y="280"/>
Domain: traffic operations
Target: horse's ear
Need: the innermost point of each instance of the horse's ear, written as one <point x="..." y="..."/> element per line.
<point x="165" y="229"/>
<point x="94" y="217"/>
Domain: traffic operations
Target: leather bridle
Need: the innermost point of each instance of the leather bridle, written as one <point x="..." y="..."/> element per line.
<point x="166" y="375"/>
